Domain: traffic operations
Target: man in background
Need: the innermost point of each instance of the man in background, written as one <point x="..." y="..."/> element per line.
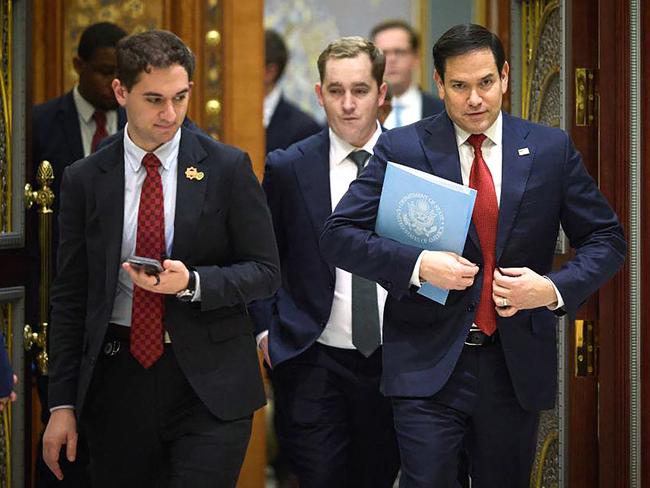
<point x="321" y="332"/>
<point x="285" y="123"/>
<point x="400" y="44"/>
<point x="71" y="126"/>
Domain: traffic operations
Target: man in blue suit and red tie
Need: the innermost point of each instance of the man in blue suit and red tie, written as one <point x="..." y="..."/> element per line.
<point x="324" y="325"/>
<point x="478" y="369"/>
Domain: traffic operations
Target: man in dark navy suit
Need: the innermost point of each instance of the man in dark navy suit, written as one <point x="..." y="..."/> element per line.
<point x="481" y="367"/>
<point x="401" y="46"/>
<point x="160" y="367"/>
<point x="321" y="332"/>
<point x="285" y="123"/>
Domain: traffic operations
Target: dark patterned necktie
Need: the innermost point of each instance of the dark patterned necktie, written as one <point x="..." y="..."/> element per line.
<point x="100" y="129"/>
<point x="147" y="313"/>
<point x="485" y="218"/>
<point x="366" y="336"/>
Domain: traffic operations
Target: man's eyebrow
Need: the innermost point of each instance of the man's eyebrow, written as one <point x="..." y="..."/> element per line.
<point x="154" y="94"/>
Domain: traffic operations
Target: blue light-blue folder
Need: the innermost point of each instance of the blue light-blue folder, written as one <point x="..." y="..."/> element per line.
<point x="426" y="211"/>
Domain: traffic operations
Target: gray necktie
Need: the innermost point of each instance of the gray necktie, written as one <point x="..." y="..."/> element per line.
<point x="365" y="310"/>
<point x="359" y="157"/>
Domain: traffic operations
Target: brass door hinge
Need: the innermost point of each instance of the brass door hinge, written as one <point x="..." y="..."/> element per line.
<point x="586" y="348"/>
<point x="586" y="96"/>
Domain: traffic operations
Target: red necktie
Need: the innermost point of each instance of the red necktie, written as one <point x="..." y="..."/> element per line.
<point x="485" y="218"/>
<point x="100" y="129"/>
<point x="147" y="312"/>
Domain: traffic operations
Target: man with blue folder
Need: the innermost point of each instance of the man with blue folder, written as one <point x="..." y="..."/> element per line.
<point x="324" y="324"/>
<point x="478" y="369"/>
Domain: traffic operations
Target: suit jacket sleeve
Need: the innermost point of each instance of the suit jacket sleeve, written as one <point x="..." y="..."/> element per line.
<point x="264" y="312"/>
<point x="253" y="272"/>
<point x="593" y="231"/>
<point x="349" y="240"/>
<point x="68" y="297"/>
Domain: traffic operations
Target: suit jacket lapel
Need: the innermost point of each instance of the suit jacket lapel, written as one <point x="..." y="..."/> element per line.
<point x="190" y="194"/>
<point x="313" y="174"/>
<point x="109" y="191"/>
<point x="515" y="171"/>
<point x="441" y="150"/>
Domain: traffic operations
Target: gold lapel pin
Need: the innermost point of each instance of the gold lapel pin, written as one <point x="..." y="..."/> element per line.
<point x="192" y="174"/>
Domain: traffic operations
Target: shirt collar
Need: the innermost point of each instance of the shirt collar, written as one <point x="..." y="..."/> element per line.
<point x="494" y="133"/>
<point x="135" y="153"/>
<point x="84" y="107"/>
<point x="270" y="103"/>
<point x="340" y="149"/>
<point x="408" y="98"/>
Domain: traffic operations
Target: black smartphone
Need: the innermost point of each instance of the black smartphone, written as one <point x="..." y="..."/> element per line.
<point x="149" y="265"/>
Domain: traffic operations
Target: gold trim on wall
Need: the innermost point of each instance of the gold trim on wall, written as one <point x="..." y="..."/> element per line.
<point x="534" y="15"/>
<point x="6" y="161"/>
<point x="6" y="320"/>
<point x="212" y="70"/>
<point x="550" y="75"/>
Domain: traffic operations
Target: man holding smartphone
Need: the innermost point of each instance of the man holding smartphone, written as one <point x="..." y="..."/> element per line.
<point x="160" y="370"/>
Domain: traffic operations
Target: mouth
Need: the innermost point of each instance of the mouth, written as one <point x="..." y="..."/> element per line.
<point x="475" y="115"/>
<point x="164" y="127"/>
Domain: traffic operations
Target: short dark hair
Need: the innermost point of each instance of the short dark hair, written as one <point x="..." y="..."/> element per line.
<point x="142" y="52"/>
<point x="351" y="47"/>
<point x="414" y="38"/>
<point x="275" y="51"/>
<point x="96" y="36"/>
<point x="465" y="38"/>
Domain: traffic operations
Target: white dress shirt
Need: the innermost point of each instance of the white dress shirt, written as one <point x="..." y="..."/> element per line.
<point x="492" y="151"/>
<point x="338" y="330"/>
<point x="271" y="103"/>
<point x="134" y="175"/>
<point x="409" y="107"/>
<point x="86" y="121"/>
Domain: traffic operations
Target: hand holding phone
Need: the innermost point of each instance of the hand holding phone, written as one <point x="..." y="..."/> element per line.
<point x="150" y="266"/>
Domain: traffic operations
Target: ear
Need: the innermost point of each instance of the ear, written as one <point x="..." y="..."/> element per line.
<point x="319" y="94"/>
<point x="120" y="91"/>
<point x="440" y="84"/>
<point x="504" y="77"/>
<point x="271" y="72"/>
<point x="382" y="94"/>
<point x="78" y="65"/>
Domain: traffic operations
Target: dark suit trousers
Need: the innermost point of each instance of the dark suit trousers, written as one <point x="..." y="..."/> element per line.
<point x="476" y="406"/>
<point x="147" y="428"/>
<point x="331" y="420"/>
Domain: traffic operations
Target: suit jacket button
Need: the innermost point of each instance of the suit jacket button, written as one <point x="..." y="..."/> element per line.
<point x="470" y="307"/>
<point x="91" y="360"/>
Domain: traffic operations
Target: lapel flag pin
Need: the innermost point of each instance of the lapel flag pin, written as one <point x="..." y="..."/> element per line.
<point x="192" y="174"/>
<point x="523" y="151"/>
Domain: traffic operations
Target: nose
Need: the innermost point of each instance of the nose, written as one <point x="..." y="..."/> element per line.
<point x="168" y="112"/>
<point x="474" y="98"/>
<point x="348" y="102"/>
